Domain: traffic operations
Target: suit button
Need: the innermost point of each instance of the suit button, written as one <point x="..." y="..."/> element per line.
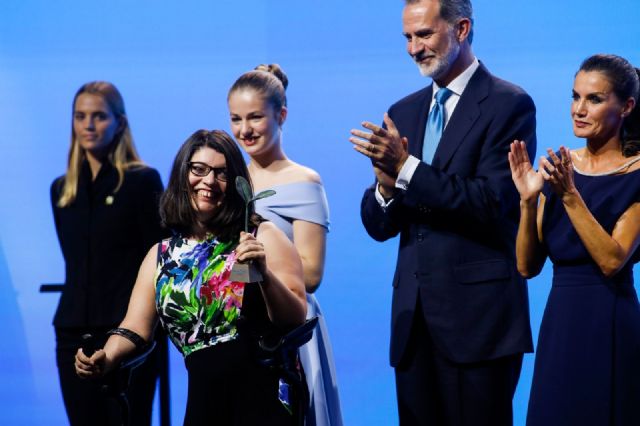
<point x="423" y="209"/>
<point x="420" y="237"/>
<point x="415" y="275"/>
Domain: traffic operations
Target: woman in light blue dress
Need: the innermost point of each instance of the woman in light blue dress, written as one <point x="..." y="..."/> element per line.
<point x="257" y="106"/>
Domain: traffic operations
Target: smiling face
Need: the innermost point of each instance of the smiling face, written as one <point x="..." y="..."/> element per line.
<point x="254" y="122"/>
<point x="94" y="124"/>
<point x="431" y="41"/>
<point x="596" y="111"/>
<point x="207" y="192"/>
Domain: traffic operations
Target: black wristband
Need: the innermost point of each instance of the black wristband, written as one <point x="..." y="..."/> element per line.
<point x="132" y="336"/>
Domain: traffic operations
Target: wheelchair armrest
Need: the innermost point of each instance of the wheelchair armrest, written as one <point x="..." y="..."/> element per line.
<point x="138" y="358"/>
<point x="116" y="382"/>
<point x="294" y="339"/>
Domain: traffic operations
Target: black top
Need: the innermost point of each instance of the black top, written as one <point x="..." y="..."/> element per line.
<point x="104" y="237"/>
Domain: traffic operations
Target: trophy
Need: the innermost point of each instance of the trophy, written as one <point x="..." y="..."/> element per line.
<point x="247" y="272"/>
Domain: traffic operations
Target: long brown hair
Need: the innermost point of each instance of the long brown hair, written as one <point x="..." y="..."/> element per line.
<point x="122" y="151"/>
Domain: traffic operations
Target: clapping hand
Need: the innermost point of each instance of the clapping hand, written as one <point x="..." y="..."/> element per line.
<point x="386" y="149"/>
<point x="559" y="171"/>
<point x="528" y="182"/>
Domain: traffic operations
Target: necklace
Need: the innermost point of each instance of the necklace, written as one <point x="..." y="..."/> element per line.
<point x="610" y="172"/>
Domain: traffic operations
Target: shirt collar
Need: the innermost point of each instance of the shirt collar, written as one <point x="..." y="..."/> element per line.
<point x="459" y="83"/>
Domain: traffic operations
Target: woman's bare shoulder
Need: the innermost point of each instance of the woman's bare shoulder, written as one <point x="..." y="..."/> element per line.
<point x="300" y="173"/>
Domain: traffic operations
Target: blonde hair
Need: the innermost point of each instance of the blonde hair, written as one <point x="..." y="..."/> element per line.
<point x="122" y="151"/>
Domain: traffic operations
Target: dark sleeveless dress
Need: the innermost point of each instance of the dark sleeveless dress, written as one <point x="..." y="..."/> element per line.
<point x="587" y="367"/>
<point x="215" y="323"/>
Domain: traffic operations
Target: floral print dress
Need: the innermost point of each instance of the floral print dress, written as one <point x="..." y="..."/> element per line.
<point x="200" y="307"/>
<point x="197" y="303"/>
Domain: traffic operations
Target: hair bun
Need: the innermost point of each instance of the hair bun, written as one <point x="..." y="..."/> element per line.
<point x="276" y="71"/>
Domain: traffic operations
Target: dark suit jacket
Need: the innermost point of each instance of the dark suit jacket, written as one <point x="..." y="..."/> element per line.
<point x="104" y="236"/>
<point x="457" y="222"/>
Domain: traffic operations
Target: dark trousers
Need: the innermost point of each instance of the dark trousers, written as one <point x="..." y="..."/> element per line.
<point x="86" y="404"/>
<point x="433" y="390"/>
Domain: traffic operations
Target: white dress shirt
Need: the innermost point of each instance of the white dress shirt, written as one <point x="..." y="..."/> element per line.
<point x="457" y="86"/>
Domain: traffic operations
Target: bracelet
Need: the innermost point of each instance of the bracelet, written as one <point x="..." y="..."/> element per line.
<point x="132" y="336"/>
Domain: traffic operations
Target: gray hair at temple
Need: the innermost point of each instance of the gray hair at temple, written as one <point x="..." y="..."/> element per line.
<point x="452" y="11"/>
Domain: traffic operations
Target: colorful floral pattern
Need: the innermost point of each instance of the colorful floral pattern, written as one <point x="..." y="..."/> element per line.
<point x="197" y="303"/>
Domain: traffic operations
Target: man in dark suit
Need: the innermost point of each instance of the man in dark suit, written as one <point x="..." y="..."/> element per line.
<point x="460" y="319"/>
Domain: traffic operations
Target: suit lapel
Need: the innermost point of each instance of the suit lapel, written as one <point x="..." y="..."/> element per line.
<point x="465" y="115"/>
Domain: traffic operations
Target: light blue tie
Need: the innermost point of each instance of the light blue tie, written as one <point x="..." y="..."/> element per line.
<point x="435" y="125"/>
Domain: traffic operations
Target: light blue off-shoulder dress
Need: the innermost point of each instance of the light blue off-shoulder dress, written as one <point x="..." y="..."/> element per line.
<point x="307" y="201"/>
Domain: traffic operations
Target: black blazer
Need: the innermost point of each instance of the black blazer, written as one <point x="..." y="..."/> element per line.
<point x="104" y="237"/>
<point x="457" y="222"/>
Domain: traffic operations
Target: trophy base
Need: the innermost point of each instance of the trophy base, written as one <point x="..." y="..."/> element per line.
<point x="245" y="273"/>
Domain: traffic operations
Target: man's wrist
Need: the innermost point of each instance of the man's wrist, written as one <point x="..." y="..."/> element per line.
<point x="401" y="162"/>
<point x="387" y="193"/>
<point x="406" y="172"/>
<point x="382" y="201"/>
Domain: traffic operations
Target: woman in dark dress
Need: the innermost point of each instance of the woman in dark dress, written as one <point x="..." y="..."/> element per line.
<point x="582" y="210"/>
<point x="105" y="210"/>
<point x="185" y="282"/>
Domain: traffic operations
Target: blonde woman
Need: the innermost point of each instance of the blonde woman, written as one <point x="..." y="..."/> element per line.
<point x="105" y="209"/>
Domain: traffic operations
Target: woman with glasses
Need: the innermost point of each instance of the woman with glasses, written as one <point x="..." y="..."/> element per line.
<point x="185" y="281"/>
<point x="105" y="210"/>
<point x="258" y="109"/>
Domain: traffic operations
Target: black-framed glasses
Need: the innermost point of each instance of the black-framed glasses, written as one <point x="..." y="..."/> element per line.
<point x="202" y="170"/>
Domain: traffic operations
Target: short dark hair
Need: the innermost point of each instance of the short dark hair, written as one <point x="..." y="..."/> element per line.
<point x="625" y="81"/>
<point x="176" y="209"/>
<point x="452" y="11"/>
<point x="270" y="81"/>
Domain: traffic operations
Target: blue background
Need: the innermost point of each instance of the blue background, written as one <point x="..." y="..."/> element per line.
<point x="174" y="63"/>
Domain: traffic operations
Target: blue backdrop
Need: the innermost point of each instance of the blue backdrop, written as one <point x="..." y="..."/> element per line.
<point x="174" y="63"/>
